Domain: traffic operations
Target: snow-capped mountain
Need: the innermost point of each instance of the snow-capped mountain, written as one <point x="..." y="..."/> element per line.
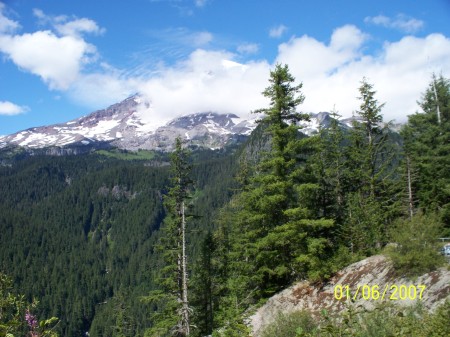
<point x="122" y="125"/>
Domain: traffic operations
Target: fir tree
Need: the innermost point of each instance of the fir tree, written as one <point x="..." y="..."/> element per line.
<point x="427" y="146"/>
<point x="280" y="235"/>
<point x="272" y="191"/>
<point x="203" y="287"/>
<point x="329" y="161"/>
<point x="173" y="311"/>
<point x="370" y="163"/>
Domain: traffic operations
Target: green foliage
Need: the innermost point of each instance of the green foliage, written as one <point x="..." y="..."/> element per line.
<point x="384" y="320"/>
<point x="272" y="232"/>
<point x="16" y="318"/>
<point x="79" y="233"/>
<point x="427" y="144"/>
<point x="289" y="325"/>
<point x="364" y="225"/>
<point x="171" y="317"/>
<point x="280" y="206"/>
<point x="415" y="248"/>
<point x="12" y="309"/>
<point x="165" y="318"/>
<point x="437" y="323"/>
<point x="203" y="289"/>
<point x="128" y="155"/>
<point x="370" y="167"/>
<point x="328" y="165"/>
<point x="233" y="328"/>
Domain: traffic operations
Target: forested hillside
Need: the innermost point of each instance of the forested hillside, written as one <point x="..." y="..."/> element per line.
<point x="99" y="240"/>
<point x="78" y="233"/>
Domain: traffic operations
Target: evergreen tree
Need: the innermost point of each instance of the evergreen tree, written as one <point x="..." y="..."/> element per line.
<point x="427" y="146"/>
<point x="279" y="234"/>
<point x="371" y="159"/>
<point x="272" y="190"/>
<point x="368" y="140"/>
<point x="329" y="162"/>
<point x="203" y="288"/>
<point x="173" y="311"/>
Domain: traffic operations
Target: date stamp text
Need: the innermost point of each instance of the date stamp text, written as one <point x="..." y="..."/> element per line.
<point x="391" y="292"/>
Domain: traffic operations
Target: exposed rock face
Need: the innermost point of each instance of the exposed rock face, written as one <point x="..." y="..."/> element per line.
<point x="126" y="125"/>
<point x="206" y="130"/>
<point x="373" y="271"/>
<point x="123" y="125"/>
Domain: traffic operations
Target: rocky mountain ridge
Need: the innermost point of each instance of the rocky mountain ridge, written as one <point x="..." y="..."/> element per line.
<point x="124" y="126"/>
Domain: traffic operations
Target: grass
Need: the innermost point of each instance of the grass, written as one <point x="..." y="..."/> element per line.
<point x="127" y="155"/>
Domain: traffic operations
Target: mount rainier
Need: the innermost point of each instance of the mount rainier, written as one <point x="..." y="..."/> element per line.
<point x="122" y="125"/>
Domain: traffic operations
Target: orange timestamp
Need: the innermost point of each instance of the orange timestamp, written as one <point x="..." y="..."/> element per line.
<point x="391" y="292"/>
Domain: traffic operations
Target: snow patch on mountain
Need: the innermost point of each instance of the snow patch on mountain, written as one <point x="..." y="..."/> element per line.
<point x="130" y="125"/>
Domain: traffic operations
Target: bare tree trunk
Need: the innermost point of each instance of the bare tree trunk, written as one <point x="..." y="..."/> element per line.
<point x="185" y="304"/>
<point x="437" y="101"/>
<point x="410" y="195"/>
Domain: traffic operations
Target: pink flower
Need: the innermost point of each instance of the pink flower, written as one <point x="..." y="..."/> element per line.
<point x="32" y="323"/>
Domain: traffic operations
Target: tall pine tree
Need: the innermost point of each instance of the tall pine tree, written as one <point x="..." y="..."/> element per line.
<point x="172" y="316"/>
<point x="427" y="146"/>
<point x="280" y="235"/>
<point x="371" y="159"/>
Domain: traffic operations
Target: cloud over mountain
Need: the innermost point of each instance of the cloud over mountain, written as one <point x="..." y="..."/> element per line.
<point x="213" y="78"/>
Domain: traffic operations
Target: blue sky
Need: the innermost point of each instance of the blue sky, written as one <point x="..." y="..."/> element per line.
<point x="61" y="59"/>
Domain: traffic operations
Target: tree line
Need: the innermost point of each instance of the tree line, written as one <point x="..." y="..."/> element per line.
<point x="117" y="248"/>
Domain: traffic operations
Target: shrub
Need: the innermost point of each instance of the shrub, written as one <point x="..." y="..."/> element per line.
<point x="16" y="318"/>
<point x="288" y="325"/>
<point x="384" y="320"/>
<point x="415" y="248"/>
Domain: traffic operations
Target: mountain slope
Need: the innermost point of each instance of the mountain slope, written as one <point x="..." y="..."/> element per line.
<point x="122" y="125"/>
<point x="79" y="233"/>
<point x="125" y="125"/>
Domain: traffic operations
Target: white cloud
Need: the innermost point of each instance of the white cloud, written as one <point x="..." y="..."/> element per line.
<point x="65" y="26"/>
<point x="6" y="25"/>
<point x="9" y="109"/>
<point x="347" y="38"/>
<point x="206" y="81"/>
<point x="99" y="90"/>
<point x="248" y="48"/>
<point x="309" y="57"/>
<point x="278" y="31"/>
<point x="213" y="80"/>
<point x="400" y="22"/>
<point x="331" y="73"/>
<point x="78" y="26"/>
<point x="57" y="60"/>
<point x="201" y="38"/>
<point x="57" y="56"/>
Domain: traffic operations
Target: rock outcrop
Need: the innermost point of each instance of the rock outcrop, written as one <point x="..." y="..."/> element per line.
<point x="373" y="271"/>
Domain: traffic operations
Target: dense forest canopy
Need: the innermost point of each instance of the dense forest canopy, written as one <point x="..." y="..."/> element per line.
<point x="96" y="239"/>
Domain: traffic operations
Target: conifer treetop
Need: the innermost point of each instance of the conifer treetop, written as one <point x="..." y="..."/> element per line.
<point x="284" y="97"/>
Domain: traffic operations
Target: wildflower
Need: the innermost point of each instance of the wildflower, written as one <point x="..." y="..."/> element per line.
<point x="32" y="323"/>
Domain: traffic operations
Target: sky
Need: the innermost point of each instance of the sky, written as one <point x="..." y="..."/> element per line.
<point x="62" y="59"/>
